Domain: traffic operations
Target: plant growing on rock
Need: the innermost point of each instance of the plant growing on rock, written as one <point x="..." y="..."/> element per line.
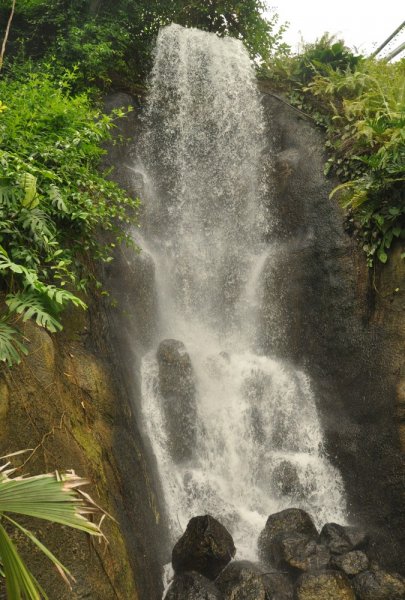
<point x="360" y="103"/>
<point x="53" y="200"/>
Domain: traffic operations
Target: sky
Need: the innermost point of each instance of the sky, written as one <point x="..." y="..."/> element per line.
<point x="363" y="24"/>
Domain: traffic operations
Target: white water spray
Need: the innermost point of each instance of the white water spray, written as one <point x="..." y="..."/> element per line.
<point x="258" y="441"/>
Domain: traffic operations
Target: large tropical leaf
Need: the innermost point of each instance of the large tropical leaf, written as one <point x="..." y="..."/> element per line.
<point x="31" y="306"/>
<point x="10" y="346"/>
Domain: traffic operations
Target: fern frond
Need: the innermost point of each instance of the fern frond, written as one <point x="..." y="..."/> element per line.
<point x="10" y="346"/>
<point x="29" y="186"/>
<point x="7" y="193"/>
<point x="57" y="199"/>
<point x="31" y="306"/>
<point x="39" y="224"/>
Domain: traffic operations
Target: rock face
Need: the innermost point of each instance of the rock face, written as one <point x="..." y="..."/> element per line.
<point x="67" y="402"/>
<point x="297" y="552"/>
<point x="324" y="585"/>
<point x="321" y="309"/>
<point x="242" y="580"/>
<point x="340" y="539"/>
<point x="351" y="563"/>
<point x="296" y="566"/>
<point x="291" y="520"/>
<point x="177" y="387"/>
<point x="192" y="586"/>
<point x="286" y="481"/>
<point x="205" y="547"/>
<point x="379" y="585"/>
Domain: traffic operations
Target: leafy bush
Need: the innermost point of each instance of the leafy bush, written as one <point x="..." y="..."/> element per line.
<point x="53" y="200"/>
<point x="360" y="103"/>
<point x="366" y="141"/>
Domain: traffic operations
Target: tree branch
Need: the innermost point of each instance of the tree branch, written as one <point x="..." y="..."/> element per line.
<point x="3" y="46"/>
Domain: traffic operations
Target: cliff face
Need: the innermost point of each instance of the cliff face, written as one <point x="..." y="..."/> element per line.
<point x="74" y="399"/>
<point x="345" y="326"/>
<point x="389" y="313"/>
<point x="67" y="402"/>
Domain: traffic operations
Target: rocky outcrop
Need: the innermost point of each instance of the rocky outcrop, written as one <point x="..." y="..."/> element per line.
<point x="379" y="585"/>
<point x="297" y="563"/>
<point x="324" y="585"/>
<point x="291" y="520"/>
<point x="177" y="387"/>
<point x="341" y="539"/>
<point x="352" y="563"/>
<point x="66" y="402"/>
<point x="192" y="586"/>
<point x="205" y="547"/>
<point x="345" y="323"/>
<point x="247" y="581"/>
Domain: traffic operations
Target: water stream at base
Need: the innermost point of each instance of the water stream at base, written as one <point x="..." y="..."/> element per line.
<point x="258" y="440"/>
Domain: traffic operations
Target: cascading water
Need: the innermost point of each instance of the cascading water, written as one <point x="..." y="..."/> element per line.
<point x="257" y="441"/>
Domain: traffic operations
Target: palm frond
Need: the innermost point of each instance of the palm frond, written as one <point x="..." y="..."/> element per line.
<point x="20" y="583"/>
<point x="65" y="573"/>
<point x="50" y="497"/>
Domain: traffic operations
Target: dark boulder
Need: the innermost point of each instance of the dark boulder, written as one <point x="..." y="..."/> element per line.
<point x="324" y="585"/>
<point x="177" y="387"/>
<point x="291" y="520"/>
<point x="379" y="585"/>
<point x="243" y="580"/>
<point x="340" y="539"/>
<point x="352" y="563"/>
<point x="297" y="552"/>
<point x="285" y="480"/>
<point x="192" y="586"/>
<point x="206" y="547"/>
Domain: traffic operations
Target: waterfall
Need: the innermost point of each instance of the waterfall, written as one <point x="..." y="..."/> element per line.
<point x="257" y="443"/>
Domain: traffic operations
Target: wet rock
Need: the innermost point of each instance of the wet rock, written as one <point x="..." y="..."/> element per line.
<point x="379" y="585"/>
<point x="291" y="520"/>
<point x="278" y="587"/>
<point x="341" y="539"/>
<point x="324" y="585"/>
<point x="41" y="353"/>
<point x="90" y="375"/>
<point x="243" y="580"/>
<point x="357" y="537"/>
<point x="4" y="401"/>
<point x="285" y="480"/>
<point x="177" y="386"/>
<point x="297" y="552"/>
<point x="192" y="586"/>
<point x="206" y="547"/>
<point x="352" y="563"/>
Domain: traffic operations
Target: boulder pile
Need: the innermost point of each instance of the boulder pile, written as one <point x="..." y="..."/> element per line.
<point x="296" y="563"/>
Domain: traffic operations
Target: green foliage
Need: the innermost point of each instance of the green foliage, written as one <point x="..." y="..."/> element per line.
<point x="112" y="41"/>
<point x="53" y="201"/>
<point x="366" y="141"/>
<point x="49" y="496"/>
<point x="360" y="103"/>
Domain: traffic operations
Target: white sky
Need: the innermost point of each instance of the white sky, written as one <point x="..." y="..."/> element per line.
<point x="363" y="24"/>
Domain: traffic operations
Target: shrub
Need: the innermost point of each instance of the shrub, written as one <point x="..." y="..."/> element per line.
<point x="53" y="200"/>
